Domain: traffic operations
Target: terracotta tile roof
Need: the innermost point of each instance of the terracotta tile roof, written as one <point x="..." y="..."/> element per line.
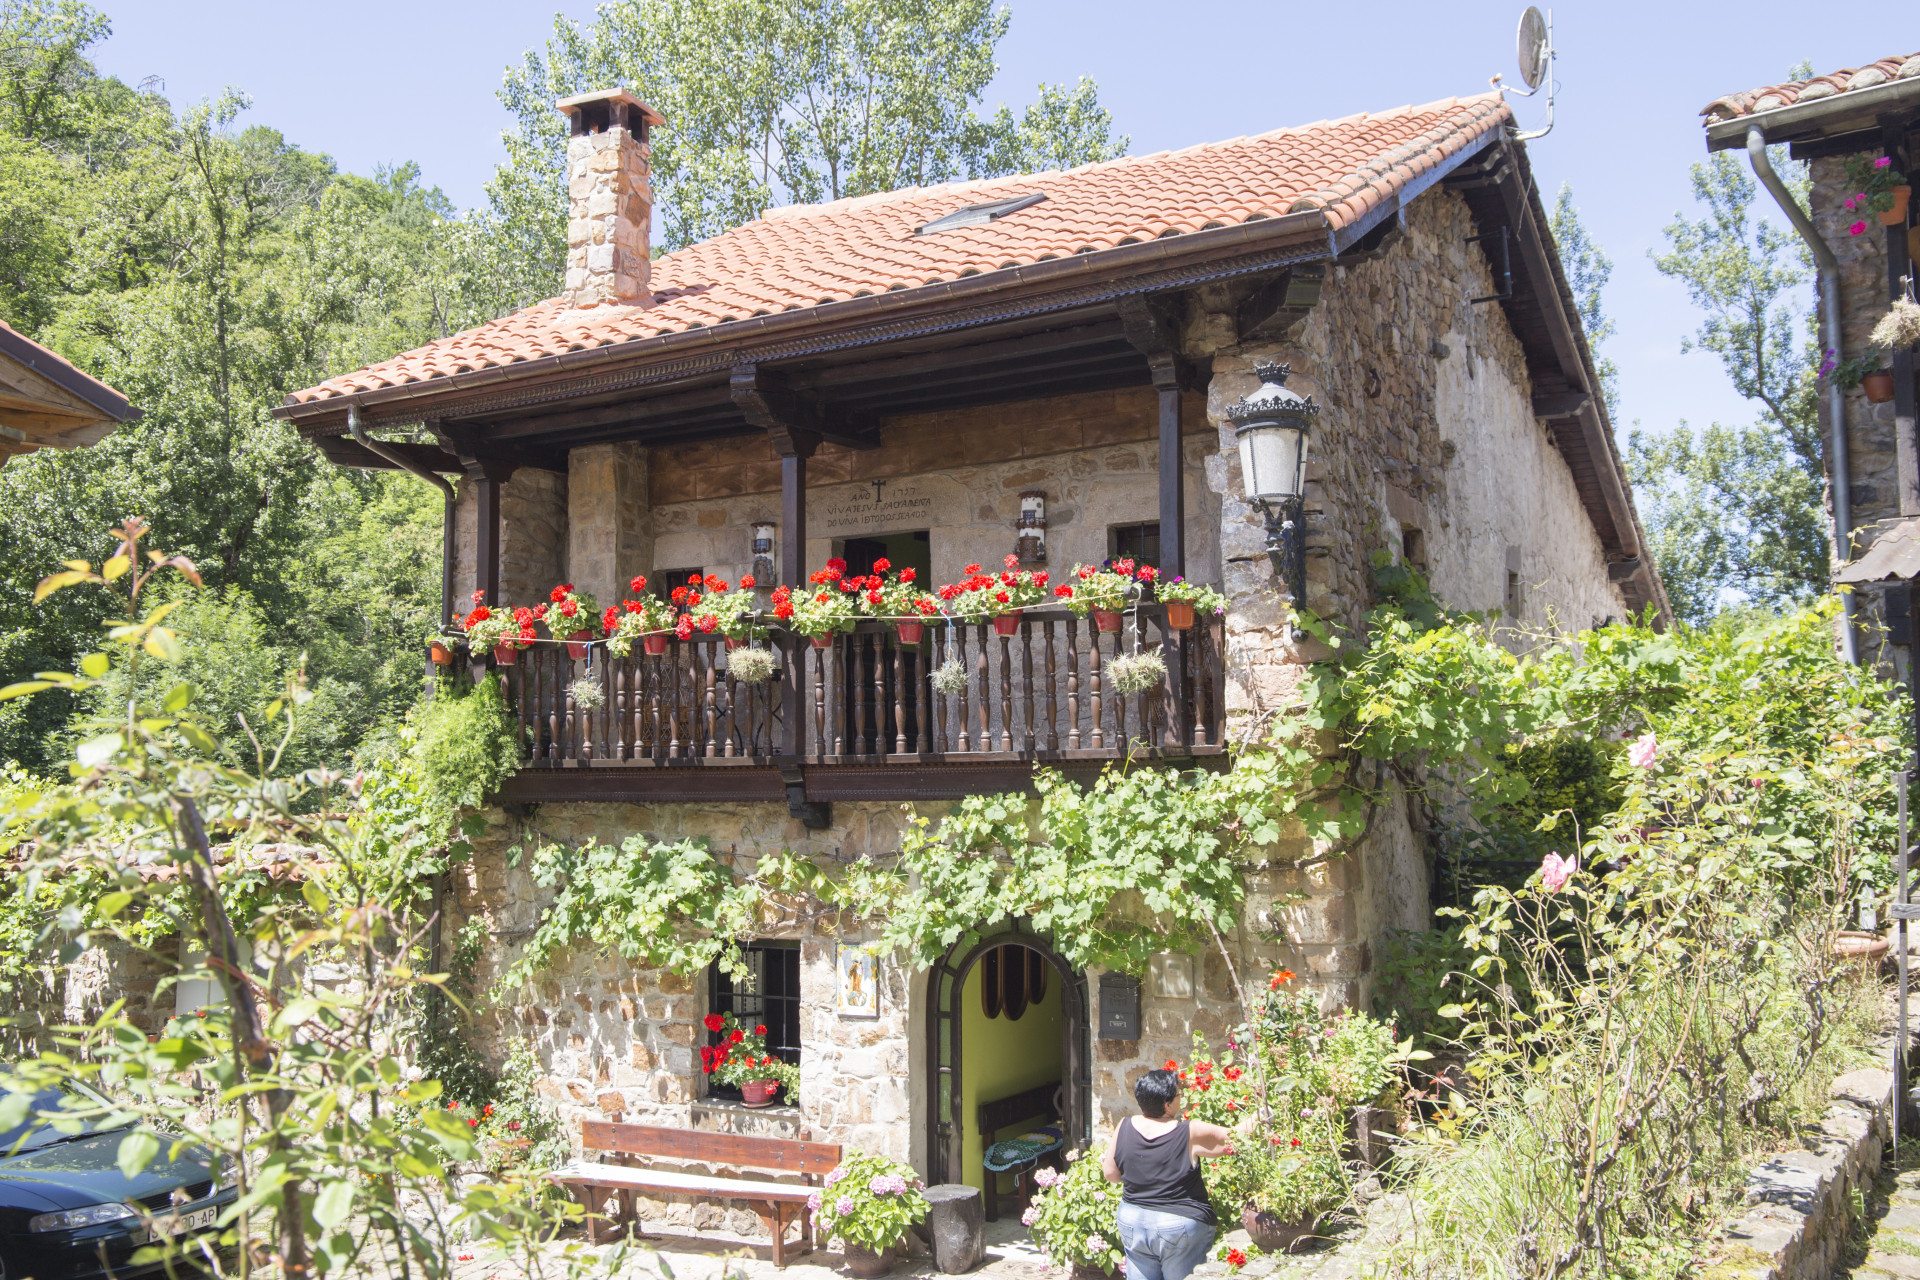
<point x="1775" y="96"/>
<point x="808" y="255"/>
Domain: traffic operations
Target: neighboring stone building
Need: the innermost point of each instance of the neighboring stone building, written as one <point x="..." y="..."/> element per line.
<point x="933" y="375"/>
<point x="1873" y="111"/>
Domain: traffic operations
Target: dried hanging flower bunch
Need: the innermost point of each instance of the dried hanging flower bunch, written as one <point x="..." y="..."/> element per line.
<point x="950" y="677"/>
<point x="1899" y="328"/>
<point x="1137" y="672"/>
<point x="587" y="694"/>
<point x="752" y="665"/>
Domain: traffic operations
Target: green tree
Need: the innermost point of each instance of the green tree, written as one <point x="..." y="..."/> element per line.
<point x="1734" y="513"/>
<point x="772" y="102"/>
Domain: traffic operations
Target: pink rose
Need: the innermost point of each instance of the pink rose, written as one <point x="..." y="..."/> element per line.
<point x="1641" y="754"/>
<point x="1555" y="871"/>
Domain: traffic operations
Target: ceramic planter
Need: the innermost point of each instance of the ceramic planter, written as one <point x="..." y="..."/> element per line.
<point x="823" y="641"/>
<point x="758" y="1093"/>
<point x="1273" y="1234"/>
<point x="1867" y="948"/>
<point x="442" y="656"/>
<point x="733" y="644"/>
<point x="505" y="655"/>
<point x="576" y="644"/>
<point x="1180" y="615"/>
<point x="1107" y="619"/>
<point x="1008" y="624"/>
<point x="654" y="645"/>
<point x="911" y="632"/>
<point x="865" y="1264"/>
<point x="1897" y="216"/>
<point x="1878" y="386"/>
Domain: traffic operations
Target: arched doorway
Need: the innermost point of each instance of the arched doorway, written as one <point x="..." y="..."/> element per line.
<point x="949" y="994"/>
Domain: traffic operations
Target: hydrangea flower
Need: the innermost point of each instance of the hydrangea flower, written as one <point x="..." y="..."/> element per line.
<point x="843" y="1206"/>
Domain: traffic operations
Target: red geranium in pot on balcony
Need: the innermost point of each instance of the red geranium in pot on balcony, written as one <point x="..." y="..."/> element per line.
<point x="573" y="616"/>
<point x="1106" y="590"/>
<point x="738" y="610"/>
<point x="825" y="607"/>
<point x="503" y="630"/>
<point x="1003" y="597"/>
<point x="648" y="619"/>
<point x="742" y="1058"/>
<point x="892" y="595"/>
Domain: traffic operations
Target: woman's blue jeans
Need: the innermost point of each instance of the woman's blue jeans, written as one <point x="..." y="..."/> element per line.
<point x="1162" y="1246"/>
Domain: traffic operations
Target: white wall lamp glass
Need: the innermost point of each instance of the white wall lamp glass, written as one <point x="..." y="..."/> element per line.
<point x="1272" y="424"/>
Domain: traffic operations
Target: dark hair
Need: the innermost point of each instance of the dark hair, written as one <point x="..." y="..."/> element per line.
<point x="1155" y="1091"/>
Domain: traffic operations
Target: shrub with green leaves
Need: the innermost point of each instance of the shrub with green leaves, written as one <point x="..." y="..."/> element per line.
<point x="467" y="745"/>
<point x="869" y="1202"/>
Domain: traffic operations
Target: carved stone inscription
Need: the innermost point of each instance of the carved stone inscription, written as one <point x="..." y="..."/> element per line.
<point x="885" y="506"/>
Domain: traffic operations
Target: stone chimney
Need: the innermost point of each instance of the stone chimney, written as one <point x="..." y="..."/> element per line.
<point x="610" y="199"/>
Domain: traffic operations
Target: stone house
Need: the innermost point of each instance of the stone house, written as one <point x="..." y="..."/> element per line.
<point x="1043" y="366"/>
<point x="1872" y="461"/>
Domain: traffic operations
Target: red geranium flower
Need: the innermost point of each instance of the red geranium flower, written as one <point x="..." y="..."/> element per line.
<point x="747" y="583"/>
<point x="737" y="1036"/>
<point x="1236" y="1258"/>
<point x="836" y="566"/>
<point x="760" y="1030"/>
<point x="882" y="565"/>
<point x="684" y="628"/>
<point x="638" y="584"/>
<point x="1002" y="597"/>
<point x="560" y="592"/>
<point x="716" y="584"/>
<point x="907" y="574"/>
<point x="1064" y="591"/>
<point x="971" y="570"/>
<point x="678" y="595"/>
<point x="714" y="1022"/>
<point x="1172" y="1065"/>
<point x="1281" y="978"/>
<point x="1012" y="560"/>
<point x="783" y="611"/>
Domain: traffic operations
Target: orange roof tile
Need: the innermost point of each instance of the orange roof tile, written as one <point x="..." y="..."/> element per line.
<point x="1775" y="96"/>
<point x="808" y="255"/>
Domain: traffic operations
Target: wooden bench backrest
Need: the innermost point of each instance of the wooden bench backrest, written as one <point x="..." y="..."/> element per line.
<point x="1004" y="1113"/>
<point x="738" y="1150"/>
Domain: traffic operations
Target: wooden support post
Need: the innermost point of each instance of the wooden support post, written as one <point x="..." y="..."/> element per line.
<point x="486" y="576"/>
<point x="1906" y="422"/>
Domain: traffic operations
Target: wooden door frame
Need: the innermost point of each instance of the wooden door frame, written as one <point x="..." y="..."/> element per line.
<point x="945" y="980"/>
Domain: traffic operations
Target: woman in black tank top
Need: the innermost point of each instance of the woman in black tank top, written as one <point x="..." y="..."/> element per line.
<point x="1167" y="1224"/>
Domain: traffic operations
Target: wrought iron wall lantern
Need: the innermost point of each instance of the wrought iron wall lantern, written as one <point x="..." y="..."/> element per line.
<point x="1272" y="425"/>
<point x="763" y="570"/>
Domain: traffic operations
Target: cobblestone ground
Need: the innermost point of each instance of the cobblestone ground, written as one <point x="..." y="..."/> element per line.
<point x="1886" y="1240"/>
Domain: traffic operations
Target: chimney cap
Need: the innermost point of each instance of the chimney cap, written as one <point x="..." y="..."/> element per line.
<point x="579" y="103"/>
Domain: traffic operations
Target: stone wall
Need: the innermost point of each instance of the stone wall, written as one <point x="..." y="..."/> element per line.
<point x="533" y="537"/>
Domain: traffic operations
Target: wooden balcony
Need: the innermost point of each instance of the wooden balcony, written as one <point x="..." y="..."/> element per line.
<point x="861" y="720"/>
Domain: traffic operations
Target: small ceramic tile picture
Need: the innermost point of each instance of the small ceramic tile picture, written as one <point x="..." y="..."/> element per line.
<point x="859" y="981"/>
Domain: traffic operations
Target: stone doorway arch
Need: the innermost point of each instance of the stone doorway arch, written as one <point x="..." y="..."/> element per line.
<point x="945" y="1121"/>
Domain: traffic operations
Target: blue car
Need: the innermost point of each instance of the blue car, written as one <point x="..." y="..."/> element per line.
<point x="68" y="1213"/>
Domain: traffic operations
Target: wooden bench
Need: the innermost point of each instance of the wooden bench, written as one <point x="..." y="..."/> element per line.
<point x="778" y="1204"/>
<point x="1032" y="1107"/>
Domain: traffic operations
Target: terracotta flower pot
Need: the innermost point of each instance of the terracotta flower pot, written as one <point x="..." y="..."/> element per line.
<point x="758" y="1093"/>
<point x="1107" y="619"/>
<point x="1867" y="948"/>
<point x="1878" y="386"/>
<point x="576" y="644"/>
<point x="442" y="656"/>
<point x="655" y="645"/>
<point x="911" y="632"/>
<point x="733" y="644"/>
<point x="1897" y="215"/>
<point x="823" y="641"/>
<point x="1008" y="624"/>
<point x="505" y="654"/>
<point x="866" y="1264"/>
<point x="1273" y="1234"/>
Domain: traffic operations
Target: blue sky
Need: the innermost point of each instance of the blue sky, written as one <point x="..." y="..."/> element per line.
<point x="373" y="83"/>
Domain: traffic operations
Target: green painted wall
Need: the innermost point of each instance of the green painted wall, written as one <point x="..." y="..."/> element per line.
<point x="999" y="1058"/>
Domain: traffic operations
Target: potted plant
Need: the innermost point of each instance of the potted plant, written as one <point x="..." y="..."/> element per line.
<point x="1866" y="371"/>
<point x="439" y="650"/>
<point x="572" y="616"/>
<point x="648" y="619"/>
<point x="1183" y="599"/>
<point x="743" y="1060"/>
<point x="505" y="631"/>
<point x="1899" y="329"/>
<point x="738" y="609"/>
<point x="1880" y="189"/>
<point x="1105" y="590"/>
<point x="866" y="1206"/>
<point x="890" y="595"/>
<point x="1003" y="597"/>
<point x="823" y="609"/>
<point x="1138" y="672"/>
<point x="1074" y="1217"/>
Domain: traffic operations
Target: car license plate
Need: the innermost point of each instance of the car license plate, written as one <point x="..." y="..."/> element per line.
<point x="180" y="1224"/>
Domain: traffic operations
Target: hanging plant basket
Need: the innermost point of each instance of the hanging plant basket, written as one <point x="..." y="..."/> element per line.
<point x="1133" y="673"/>
<point x="751" y="666"/>
<point x="1899" y="329"/>
<point x="950" y="678"/>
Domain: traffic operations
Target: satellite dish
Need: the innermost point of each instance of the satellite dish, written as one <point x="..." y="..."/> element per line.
<point x="1534" y="47"/>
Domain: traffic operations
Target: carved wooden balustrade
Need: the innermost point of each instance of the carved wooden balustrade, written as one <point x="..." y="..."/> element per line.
<point x="1042" y="694"/>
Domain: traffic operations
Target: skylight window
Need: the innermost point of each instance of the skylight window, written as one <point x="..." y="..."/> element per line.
<point x="975" y="215"/>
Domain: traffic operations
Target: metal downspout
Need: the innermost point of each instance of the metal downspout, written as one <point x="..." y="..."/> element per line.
<point x="1829" y="277"/>
<point x="400" y="460"/>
